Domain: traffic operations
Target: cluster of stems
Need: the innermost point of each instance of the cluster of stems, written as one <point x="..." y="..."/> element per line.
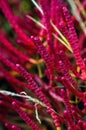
<point x="43" y="65"/>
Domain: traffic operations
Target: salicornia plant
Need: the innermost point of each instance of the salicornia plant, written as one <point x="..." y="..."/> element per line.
<point x="42" y="64"/>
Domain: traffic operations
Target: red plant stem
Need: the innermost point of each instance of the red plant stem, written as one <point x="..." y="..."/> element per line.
<point x="24" y="116"/>
<point x="47" y="58"/>
<point x="11" y="127"/>
<point x="4" y="5"/>
<point x="11" y="48"/>
<point x="7" y="62"/>
<point x="68" y="108"/>
<point x="68" y="64"/>
<point x="53" y="10"/>
<point x="66" y="74"/>
<point x="73" y="39"/>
